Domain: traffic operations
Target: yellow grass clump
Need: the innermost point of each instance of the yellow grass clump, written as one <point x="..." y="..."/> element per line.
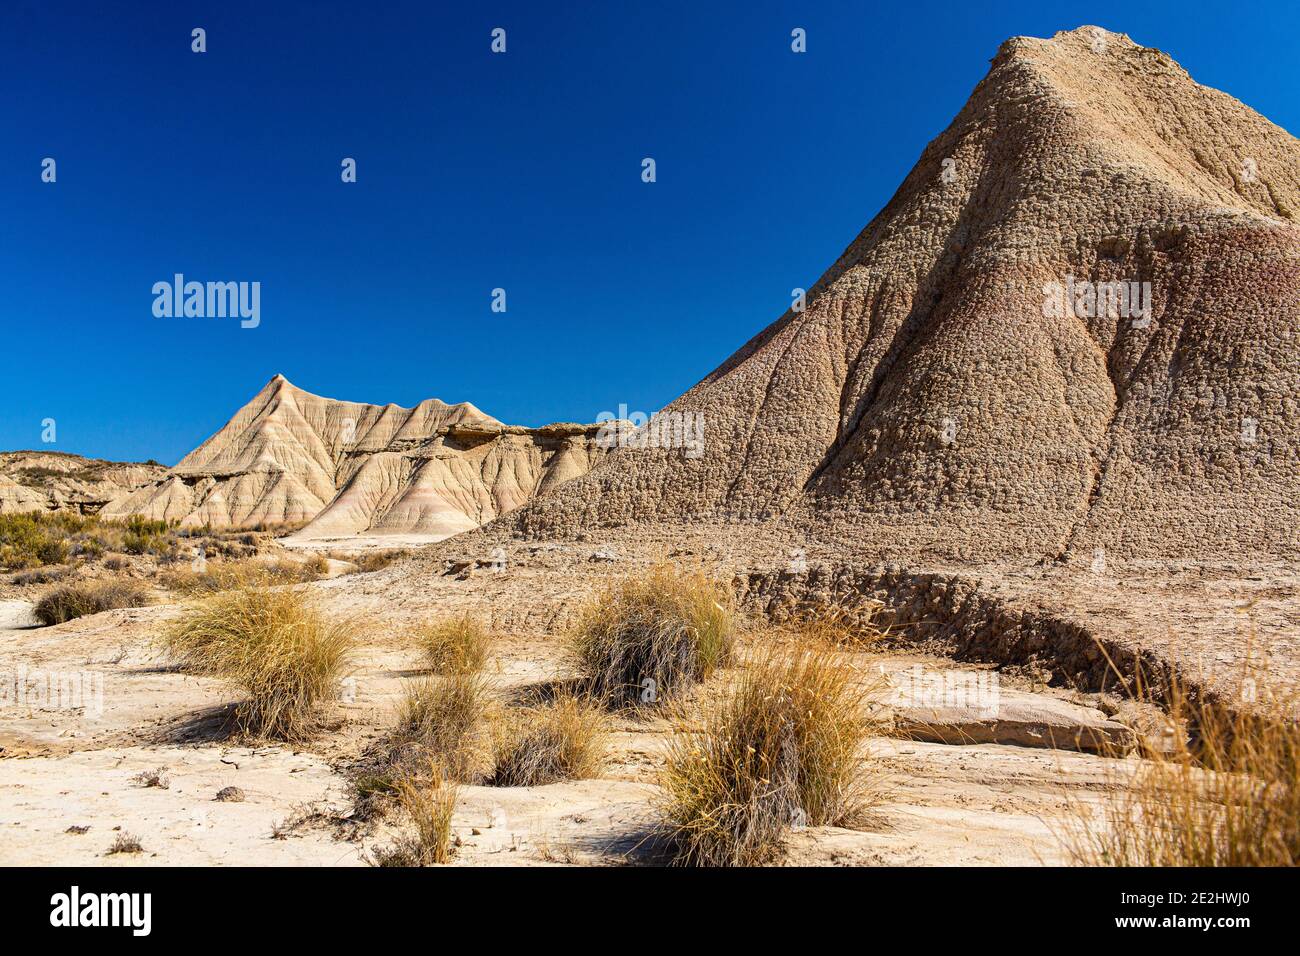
<point x="785" y="748"/>
<point x="243" y="573"/>
<point x="429" y="800"/>
<point x="1226" y="793"/>
<point x="651" y="635"/>
<point x="457" y="645"/>
<point x="443" y="719"/>
<point x="564" y="739"/>
<point x="370" y="561"/>
<point x="275" y="645"/>
<point x="839" y="625"/>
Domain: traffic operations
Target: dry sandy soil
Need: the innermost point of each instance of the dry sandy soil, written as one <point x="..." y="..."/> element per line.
<point x="63" y="768"/>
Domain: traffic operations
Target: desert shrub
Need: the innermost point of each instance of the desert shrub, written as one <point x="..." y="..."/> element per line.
<point x="77" y="600"/>
<point x="1227" y="793"/>
<point x="153" y="778"/>
<point x="33" y="539"/>
<point x="667" y="626"/>
<point x="44" y="575"/>
<point x="564" y="739"/>
<point x="88" y="547"/>
<point x="20" y="535"/>
<point x="133" y="543"/>
<point x="785" y="748"/>
<point x="457" y="645"/>
<point x="429" y="800"/>
<point x="229" y="575"/>
<point x="275" y="645"/>
<point x="277" y="529"/>
<point x="318" y="566"/>
<point x="124" y="843"/>
<point x="53" y="551"/>
<point x="151" y="527"/>
<point x="442" y="719"/>
<point x="147" y="536"/>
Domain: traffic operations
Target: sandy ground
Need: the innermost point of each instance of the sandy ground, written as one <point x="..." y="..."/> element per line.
<point x="360" y="542"/>
<point x="16" y="615"/>
<point x="72" y="761"/>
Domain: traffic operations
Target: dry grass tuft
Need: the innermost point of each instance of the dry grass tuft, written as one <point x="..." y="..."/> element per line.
<point x="77" y="600"/>
<point x="785" y="748"/>
<point x="370" y="561"/>
<point x="1227" y="794"/>
<point x="429" y="800"/>
<point x="243" y="573"/>
<point x="458" y="645"/>
<point x="565" y="739"/>
<point x="442" y="719"/>
<point x="125" y="843"/>
<point x="652" y="635"/>
<point x="275" y="645"/>
<point x="839" y="625"/>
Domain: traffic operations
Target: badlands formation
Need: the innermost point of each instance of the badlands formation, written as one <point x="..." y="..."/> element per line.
<point x="1020" y="477"/>
<point x="55" y="481"/>
<point x="347" y="468"/>
<point x="934" y="400"/>
<point x="1044" y="407"/>
<point x="955" y="426"/>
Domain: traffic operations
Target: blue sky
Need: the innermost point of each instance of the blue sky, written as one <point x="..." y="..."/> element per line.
<point x="475" y="171"/>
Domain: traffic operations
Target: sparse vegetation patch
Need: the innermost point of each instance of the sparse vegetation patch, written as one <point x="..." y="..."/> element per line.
<point x="652" y="635"/>
<point x="564" y="739"/>
<point x="274" y="645"/>
<point x="785" y="748"/>
<point x="69" y="601"/>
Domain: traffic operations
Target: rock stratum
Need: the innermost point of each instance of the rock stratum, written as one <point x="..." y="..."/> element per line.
<point x="934" y="400"/>
<point x="348" y="468"/>
<point x="56" y="481"/>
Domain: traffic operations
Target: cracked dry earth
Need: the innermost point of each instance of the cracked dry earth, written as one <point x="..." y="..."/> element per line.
<point x="68" y="778"/>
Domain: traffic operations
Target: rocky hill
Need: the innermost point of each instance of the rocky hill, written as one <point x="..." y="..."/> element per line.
<point x="57" y="481"/>
<point x="1072" y="330"/>
<point x="348" y="468"/>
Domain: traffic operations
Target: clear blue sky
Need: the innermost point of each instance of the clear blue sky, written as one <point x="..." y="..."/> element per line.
<point x="475" y="171"/>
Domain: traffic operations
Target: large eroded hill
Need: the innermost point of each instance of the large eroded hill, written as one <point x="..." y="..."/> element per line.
<point x="350" y="468"/>
<point x="1073" y="328"/>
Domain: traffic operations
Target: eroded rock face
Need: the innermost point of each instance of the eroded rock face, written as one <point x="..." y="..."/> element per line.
<point x="346" y="468"/>
<point x="957" y="388"/>
<point x="54" y="481"/>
